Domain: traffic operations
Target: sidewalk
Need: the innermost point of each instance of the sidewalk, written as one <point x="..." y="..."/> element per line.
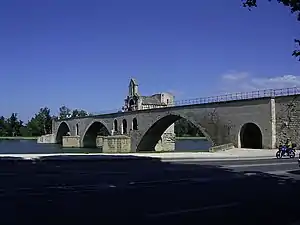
<point x="232" y="154"/>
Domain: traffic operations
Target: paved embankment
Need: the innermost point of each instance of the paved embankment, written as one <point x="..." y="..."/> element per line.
<point x="231" y="154"/>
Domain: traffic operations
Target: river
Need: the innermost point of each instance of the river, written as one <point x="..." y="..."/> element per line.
<point x="30" y="146"/>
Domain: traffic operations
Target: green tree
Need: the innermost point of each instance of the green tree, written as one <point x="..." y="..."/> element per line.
<point x="3" y="126"/>
<point x="45" y="120"/>
<point x="184" y="128"/>
<point x="78" y="113"/>
<point x="293" y="5"/>
<point x="24" y="132"/>
<point x="40" y="124"/>
<point x="13" y="125"/>
<point x="64" y="112"/>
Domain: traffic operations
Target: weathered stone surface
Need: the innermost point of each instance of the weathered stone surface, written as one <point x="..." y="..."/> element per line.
<point x="71" y="142"/>
<point x="288" y="119"/>
<point x="46" y="139"/>
<point x="221" y="147"/>
<point x="99" y="142"/>
<point x="220" y="122"/>
<point x="116" y="144"/>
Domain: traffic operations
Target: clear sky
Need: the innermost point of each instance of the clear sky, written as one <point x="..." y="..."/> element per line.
<point x="82" y="53"/>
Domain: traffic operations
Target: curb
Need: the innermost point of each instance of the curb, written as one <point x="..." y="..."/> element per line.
<point x="122" y="158"/>
<point x="219" y="159"/>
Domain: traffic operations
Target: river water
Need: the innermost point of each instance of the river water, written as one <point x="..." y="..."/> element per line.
<point x="30" y="146"/>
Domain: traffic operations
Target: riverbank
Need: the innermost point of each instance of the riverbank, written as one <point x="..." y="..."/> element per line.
<point x="18" y="138"/>
<point x="190" y="138"/>
<point x="35" y="138"/>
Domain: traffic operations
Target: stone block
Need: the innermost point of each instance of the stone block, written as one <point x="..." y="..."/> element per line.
<point x="46" y="139"/>
<point x="99" y="141"/>
<point x="167" y="143"/>
<point x="71" y="142"/>
<point x="116" y="144"/>
<point x="221" y="147"/>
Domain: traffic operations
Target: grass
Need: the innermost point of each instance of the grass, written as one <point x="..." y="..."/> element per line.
<point x="191" y="138"/>
<point x="18" y="138"/>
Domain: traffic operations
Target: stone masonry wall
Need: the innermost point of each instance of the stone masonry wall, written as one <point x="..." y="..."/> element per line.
<point x="117" y="144"/>
<point x="168" y="139"/>
<point x="71" y="142"/>
<point x="288" y="119"/>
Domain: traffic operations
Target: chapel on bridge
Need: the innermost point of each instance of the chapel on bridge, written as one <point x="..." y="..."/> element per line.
<point x="134" y="101"/>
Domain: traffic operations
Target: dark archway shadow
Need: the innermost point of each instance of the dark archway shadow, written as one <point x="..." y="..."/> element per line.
<point x="63" y="130"/>
<point x="251" y="136"/>
<point x="116" y="126"/>
<point x="90" y="136"/>
<point x="124" y="126"/>
<point x="134" y="124"/>
<point x="155" y="132"/>
<point x="131" y="105"/>
<point x="142" y="190"/>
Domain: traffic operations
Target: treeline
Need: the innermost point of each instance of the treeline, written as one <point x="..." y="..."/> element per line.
<point x="184" y="128"/>
<point x="41" y="123"/>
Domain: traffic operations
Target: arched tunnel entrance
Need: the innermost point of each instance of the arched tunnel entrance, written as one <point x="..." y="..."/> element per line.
<point x="174" y="131"/>
<point x="90" y="136"/>
<point x="251" y="136"/>
<point x="63" y="130"/>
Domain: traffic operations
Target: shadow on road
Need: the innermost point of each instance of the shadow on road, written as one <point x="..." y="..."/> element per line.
<point x="123" y="189"/>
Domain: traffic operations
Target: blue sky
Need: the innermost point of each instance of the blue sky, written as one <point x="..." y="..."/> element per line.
<point x="83" y="53"/>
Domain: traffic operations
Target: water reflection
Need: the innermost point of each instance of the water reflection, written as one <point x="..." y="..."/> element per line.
<point x="30" y="147"/>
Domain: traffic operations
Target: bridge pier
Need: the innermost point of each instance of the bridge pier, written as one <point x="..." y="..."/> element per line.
<point x="71" y="142"/>
<point x="46" y="139"/>
<point x="167" y="141"/>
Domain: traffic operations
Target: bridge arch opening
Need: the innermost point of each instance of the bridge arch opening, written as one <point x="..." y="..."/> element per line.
<point x="124" y="126"/>
<point x="131" y="105"/>
<point x="134" y="124"/>
<point x="63" y="130"/>
<point x="90" y="136"/>
<point x="115" y="125"/>
<point x="77" y="129"/>
<point x="251" y="136"/>
<point x="189" y="135"/>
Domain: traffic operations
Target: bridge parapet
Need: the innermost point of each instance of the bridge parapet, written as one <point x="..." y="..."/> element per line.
<point x="238" y="96"/>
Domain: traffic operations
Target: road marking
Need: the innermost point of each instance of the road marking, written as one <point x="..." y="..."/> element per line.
<point x="213" y="207"/>
<point x="259" y="164"/>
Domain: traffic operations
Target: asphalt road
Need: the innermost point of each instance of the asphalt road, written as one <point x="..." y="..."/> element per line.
<point x="150" y="191"/>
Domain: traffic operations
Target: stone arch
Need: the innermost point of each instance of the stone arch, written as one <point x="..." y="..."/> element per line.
<point x="95" y="129"/>
<point x="63" y="130"/>
<point x="152" y="136"/>
<point x="77" y="129"/>
<point x="250" y="136"/>
<point x="131" y="105"/>
<point x="115" y="125"/>
<point x="124" y="126"/>
<point x="134" y="124"/>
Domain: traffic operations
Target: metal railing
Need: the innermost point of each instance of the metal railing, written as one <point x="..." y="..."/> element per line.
<point x="225" y="98"/>
<point x="107" y="111"/>
<point x="241" y="96"/>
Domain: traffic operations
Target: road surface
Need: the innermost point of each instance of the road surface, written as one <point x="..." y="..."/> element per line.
<point x="150" y="191"/>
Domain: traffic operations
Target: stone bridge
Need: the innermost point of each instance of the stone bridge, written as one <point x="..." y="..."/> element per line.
<point x="261" y="122"/>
